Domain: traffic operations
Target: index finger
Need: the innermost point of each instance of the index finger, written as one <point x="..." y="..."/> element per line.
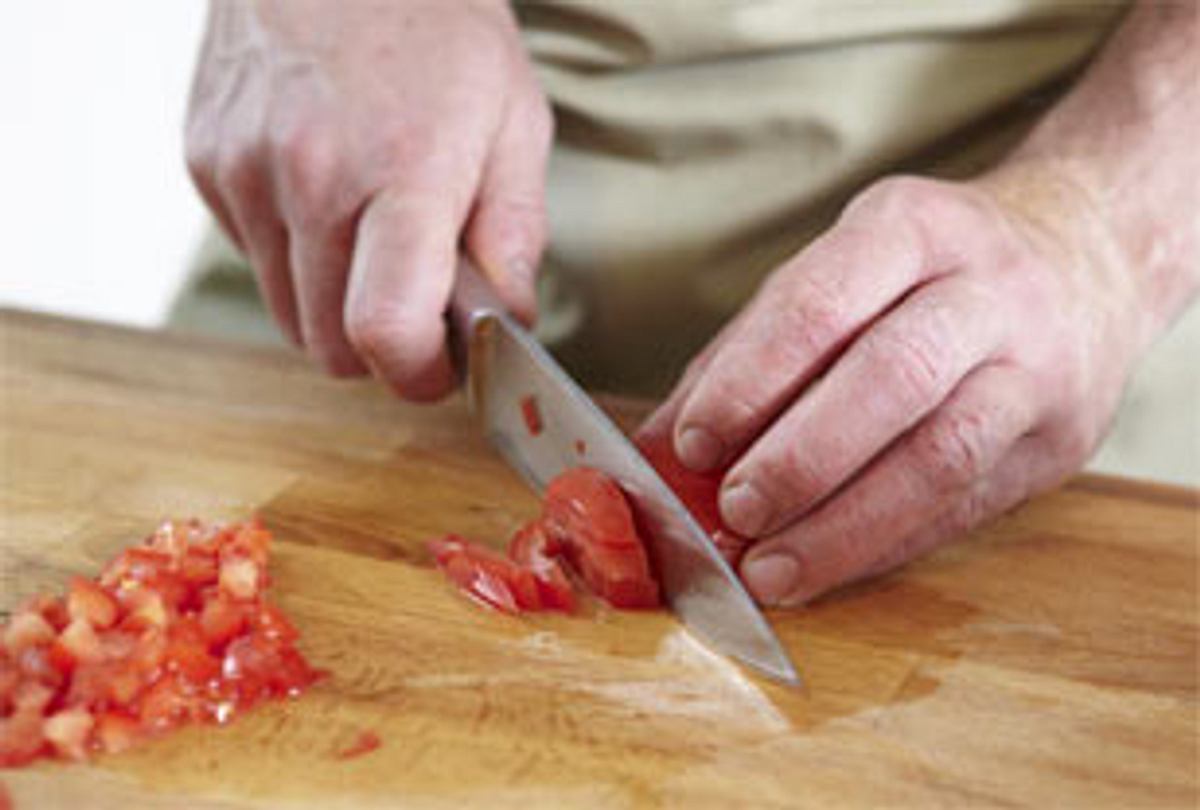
<point x="400" y="281"/>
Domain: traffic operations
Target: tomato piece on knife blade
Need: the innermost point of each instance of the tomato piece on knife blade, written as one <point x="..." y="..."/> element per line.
<point x="175" y="630"/>
<point x="587" y="513"/>
<point x="532" y="414"/>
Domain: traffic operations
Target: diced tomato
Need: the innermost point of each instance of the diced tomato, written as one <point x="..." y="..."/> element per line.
<point x="80" y="641"/>
<point x="221" y="619"/>
<point x="239" y="577"/>
<point x="10" y="679"/>
<point x="21" y="739"/>
<point x="115" y="732"/>
<point x="187" y="652"/>
<point x="27" y="629"/>
<point x="199" y="567"/>
<point x="273" y="625"/>
<point x="137" y="564"/>
<point x="166" y="704"/>
<point x="251" y="540"/>
<point x="146" y="609"/>
<point x="68" y="732"/>
<point x="32" y="697"/>
<point x="51" y="608"/>
<point x="91" y="603"/>
<point x="34" y="664"/>
<point x="177" y="629"/>
<point x="148" y="651"/>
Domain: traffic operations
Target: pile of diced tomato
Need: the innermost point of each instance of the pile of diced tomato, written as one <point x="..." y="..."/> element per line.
<point x="175" y="630"/>
<point x="587" y="529"/>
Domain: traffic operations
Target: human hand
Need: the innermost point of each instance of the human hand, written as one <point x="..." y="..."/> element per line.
<point x="942" y="353"/>
<point x="349" y="148"/>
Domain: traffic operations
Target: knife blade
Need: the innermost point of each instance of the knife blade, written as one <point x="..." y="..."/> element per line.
<point x="506" y="368"/>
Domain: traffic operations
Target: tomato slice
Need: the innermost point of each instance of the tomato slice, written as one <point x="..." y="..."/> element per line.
<point x="586" y="512"/>
<point x="586" y="523"/>
<point x="588" y="506"/>
<point x="532" y="548"/>
<point x="484" y="575"/>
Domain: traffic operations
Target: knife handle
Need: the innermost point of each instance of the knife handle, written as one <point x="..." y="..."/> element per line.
<point x="471" y="299"/>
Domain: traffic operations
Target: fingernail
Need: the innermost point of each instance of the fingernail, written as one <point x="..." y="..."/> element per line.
<point x="744" y="509"/>
<point x="698" y="448"/>
<point x="771" y="577"/>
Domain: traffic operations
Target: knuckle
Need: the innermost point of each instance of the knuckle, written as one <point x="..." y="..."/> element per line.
<point x="952" y="451"/>
<point x="236" y="171"/>
<point x="371" y="332"/>
<point x="970" y="512"/>
<point x="911" y="212"/>
<point x="900" y="196"/>
<point x="519" y="223"/>
<point x="913" y="363"/>
<point x="809" y="320"/>
<point x="791" y="479"/>
<point x="306" y="163"/>
<point x="199" y="155"/>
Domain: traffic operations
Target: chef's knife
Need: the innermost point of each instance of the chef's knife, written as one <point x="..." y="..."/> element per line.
<point x="508" y="373"/>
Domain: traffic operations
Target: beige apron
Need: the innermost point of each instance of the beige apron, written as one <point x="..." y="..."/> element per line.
<point x="701" y="142"/>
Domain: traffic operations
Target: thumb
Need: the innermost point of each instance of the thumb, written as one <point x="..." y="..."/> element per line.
<point x="507" y="229"/>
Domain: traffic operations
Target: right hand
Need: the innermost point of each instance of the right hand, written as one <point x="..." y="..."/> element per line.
<point x="350" y="149"/>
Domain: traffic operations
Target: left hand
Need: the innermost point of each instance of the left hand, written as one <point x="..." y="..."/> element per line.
<point x="942" y="353"/>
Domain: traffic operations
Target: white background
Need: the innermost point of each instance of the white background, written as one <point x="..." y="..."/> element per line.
<point x="97" y="216"/>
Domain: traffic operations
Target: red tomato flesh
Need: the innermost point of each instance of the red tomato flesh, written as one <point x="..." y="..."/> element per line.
<point x="698" y="491"/>
<point x="532" y="415"/>
<point x="366" y="742"/>
<point x="175" y="630"/>
<point x="587" y="524"/>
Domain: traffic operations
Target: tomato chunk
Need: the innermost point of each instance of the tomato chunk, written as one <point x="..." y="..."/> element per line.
<point x="698" y="491"/>
<point x="586" y="512"/>
<point x="175" y="630"/>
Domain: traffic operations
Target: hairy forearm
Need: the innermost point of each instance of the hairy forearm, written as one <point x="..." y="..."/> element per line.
<point x="1126" y="138"/>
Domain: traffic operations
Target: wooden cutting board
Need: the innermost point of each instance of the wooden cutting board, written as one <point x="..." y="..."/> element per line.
<point x="1050" y="661"/>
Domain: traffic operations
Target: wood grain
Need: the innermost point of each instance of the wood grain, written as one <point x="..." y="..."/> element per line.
<point x="1049" y="661"/>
